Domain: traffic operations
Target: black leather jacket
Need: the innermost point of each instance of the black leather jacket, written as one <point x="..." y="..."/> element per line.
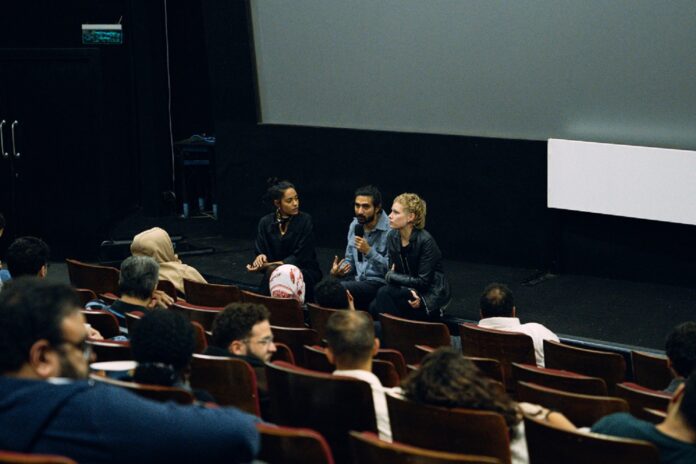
<point x="420" y="270"/>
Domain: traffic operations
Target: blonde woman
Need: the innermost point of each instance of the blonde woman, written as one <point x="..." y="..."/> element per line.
<point x="416" y="284"/>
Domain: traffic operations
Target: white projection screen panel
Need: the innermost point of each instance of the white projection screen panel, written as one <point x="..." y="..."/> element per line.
<point x="619" y="71"/>
<point x="622" y="180"/>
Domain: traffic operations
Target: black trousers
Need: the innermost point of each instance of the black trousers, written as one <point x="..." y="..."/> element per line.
<point x="363" y="291"/>
<point x="393" y="299"/>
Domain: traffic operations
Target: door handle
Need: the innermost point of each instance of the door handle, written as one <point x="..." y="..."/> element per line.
<point x="2" y="140"/>
<point x="14" y="147"/>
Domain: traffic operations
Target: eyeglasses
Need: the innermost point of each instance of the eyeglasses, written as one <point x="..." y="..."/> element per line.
<point x="263" y="342"/>
<point x="83" y="346"/>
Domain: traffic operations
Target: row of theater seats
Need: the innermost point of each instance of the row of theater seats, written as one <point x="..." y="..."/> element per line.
<point x="576" y="382"/>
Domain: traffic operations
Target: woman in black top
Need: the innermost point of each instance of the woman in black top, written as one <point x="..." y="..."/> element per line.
<point x="416" y="284"/>
<point x="286" y="236"/>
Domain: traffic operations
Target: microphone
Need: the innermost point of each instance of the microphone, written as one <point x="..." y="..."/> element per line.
<point x="359" y="232"/>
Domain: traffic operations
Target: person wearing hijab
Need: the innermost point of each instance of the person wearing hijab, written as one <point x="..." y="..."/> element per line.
<point x="157" y="244"/>
<point x="287" y="281"/>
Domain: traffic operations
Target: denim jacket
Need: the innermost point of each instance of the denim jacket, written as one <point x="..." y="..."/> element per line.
<point x="376" y="263"/>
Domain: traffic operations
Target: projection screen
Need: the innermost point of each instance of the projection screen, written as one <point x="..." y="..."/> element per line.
<point x="617" y="71"/>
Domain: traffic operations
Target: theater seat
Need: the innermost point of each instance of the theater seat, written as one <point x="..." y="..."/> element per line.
<point x="559" y="379"/>
<point x="99" y="279"/>
<point x="204" y="294"/>
<point x="581" y="410"/>
<point x="405" y="334"/>
<point x="290" y="445"/>
<point x="153" y="392"/>
<point x="369" y="449"/>
<point x="453" y="430"/>
<point x="13" y="457"/>
<point x="550" y="445"/>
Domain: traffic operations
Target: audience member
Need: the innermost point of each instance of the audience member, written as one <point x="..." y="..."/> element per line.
<point x="329" y="293"/>
<point x="137" y="287"/>
<point x="162" y="344"/>
<point x="449" y="380"/>
<point x="157" y="244"/>
<point x="681" y="353"/>
<point x="417" y="287"/>
<point x="351" y="341"/>
<point x="286" y="281"/>
<point x="498" y="312"/>
<point x="675" y="437"/>
<point x="243" y="331"/>
<point x="46" y="406"/>
<point x="366" y="261"/>
<point x="27" y="256"/>
<point x="285" y="236"/>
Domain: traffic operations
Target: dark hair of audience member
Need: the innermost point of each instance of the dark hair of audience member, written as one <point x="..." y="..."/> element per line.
<point x="496" y="301"/>
<point x="680" y="347"/>
<point x="138" y="277"/>
<point x="26" y="256"/>
<point x="447" y="379"/>
<point x="687" y="408"/>
<point x="2" y="222"/>
<point x="370" y="191"/>
<point x="276" y="189"/>
<point x="236" y="322"/>
<point x="32" y="309"/>
<point x="329" y="293"/>
<point x="162" y="343"/>
<point x="351" y="337"/>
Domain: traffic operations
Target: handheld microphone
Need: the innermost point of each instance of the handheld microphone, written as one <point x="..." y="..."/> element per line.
<point x="359" y="232"/>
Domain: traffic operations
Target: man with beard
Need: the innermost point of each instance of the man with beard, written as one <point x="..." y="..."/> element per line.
<point x="48" y="406"/>
<point x="363" y="268"/>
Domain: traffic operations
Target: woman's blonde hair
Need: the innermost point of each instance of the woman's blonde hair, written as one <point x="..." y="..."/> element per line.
<point x="413" y="204"/>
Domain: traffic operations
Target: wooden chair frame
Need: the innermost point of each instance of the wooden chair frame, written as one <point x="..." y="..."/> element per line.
<point x="581" y="410"/>
<point x="550" y="445"/>
<point x="506" y="347"/>
<point x="453" y="430"/>
<point x="611" y="367"/>
<point x="369" y="449"/>
<point x="404" y="334"/>
<point x="204" y="294"/>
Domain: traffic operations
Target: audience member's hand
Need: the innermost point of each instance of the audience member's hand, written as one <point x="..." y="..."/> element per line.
<point x="93" y="333"/>
<point x="351" y="301"/>
<point x="160" y="300"/>
<point x="340" y="268"/>
<point x="258" y="263"/>
<point x="362" y="245"/>
<point x="549" y="415"/>
<point x="416" y="301"/>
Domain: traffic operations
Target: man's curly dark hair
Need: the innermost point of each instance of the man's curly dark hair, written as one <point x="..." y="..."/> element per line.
<point x="236" y="321"/>
<point x="162" y="338"/>
<point x="26" y="256"/>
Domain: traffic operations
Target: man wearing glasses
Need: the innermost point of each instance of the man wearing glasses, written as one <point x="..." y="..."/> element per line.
<point x="47" y="406"/>
<point x="243" y="331"/>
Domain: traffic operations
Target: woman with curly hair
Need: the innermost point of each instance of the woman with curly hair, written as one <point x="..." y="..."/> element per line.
<point x="449" y="380"/>
<point x="416" y="284"/>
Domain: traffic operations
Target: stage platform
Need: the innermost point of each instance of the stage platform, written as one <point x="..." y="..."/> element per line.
<point x="621" y="312"/>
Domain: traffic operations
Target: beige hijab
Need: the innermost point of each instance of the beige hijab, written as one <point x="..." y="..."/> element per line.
<point x="156" y="244"/>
